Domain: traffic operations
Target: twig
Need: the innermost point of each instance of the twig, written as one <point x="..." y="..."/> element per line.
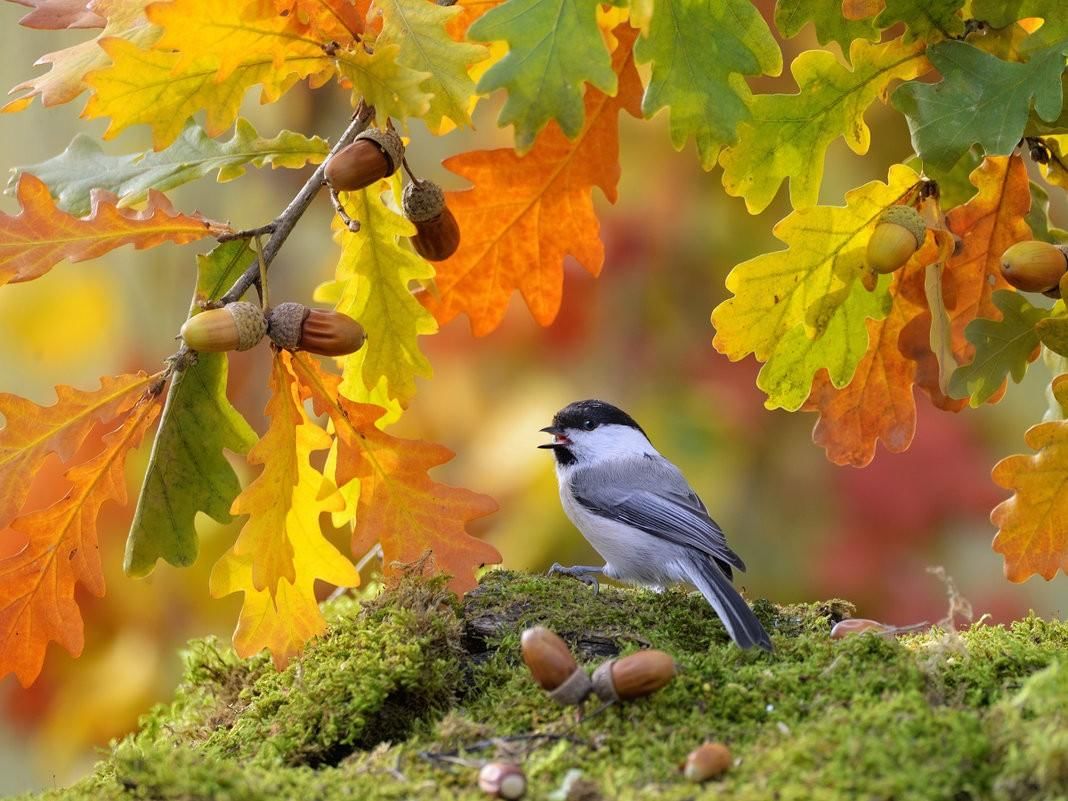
<point x="281" y="227"/>
<point x="247" y="233"/>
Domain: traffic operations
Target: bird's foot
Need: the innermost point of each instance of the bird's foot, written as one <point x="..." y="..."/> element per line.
<point x="587" y="574"/>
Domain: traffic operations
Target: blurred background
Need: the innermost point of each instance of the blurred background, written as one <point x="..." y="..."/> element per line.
<point x="638" y="336"/>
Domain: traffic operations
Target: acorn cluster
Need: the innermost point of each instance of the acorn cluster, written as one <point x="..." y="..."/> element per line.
<point x="378" y="153"/>
<point x="291" y="326"/>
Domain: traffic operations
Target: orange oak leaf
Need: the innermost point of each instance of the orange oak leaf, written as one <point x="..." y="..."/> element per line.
<point x="1033" y="523"/>
<point x="31" y="432"/>
<point x="525" y="214"/>
<point x="328" y="20"/>
<point x="37" y="584"/>
<point x="399" y="506"/>
<point x="281" y="550"/>
<point x="41" y="236"/>
<point x="988" y="224"/>
<point x="877" y="404"/>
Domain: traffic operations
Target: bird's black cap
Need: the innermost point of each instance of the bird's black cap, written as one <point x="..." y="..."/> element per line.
<point x="580" y="413"/>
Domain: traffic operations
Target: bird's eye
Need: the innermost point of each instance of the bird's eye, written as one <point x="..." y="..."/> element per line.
<point x="589" y="425"/>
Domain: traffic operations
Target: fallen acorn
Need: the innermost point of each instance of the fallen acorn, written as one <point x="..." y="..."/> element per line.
<point x="294" y="326"/>
<point x="503" y="780"/>
<point x="553" y="666"/>
<point x="898" y="234"/>
<point x="437" y="234"/>
<point x="707" y="762"/>
<point x="857" y="625"/>
<point x="375" y="154"/>
<point x="1034" y="266"/>
<point x="236" y="326"/>
<point x="633" y="676"/>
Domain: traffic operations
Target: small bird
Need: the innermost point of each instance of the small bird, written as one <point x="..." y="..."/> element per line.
<point x="638" y="512"/>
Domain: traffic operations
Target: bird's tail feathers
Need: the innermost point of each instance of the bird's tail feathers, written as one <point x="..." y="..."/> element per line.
<point x="743" y="626"/>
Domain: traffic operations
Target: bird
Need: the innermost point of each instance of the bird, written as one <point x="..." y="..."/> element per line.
<point x="640" y="514"/>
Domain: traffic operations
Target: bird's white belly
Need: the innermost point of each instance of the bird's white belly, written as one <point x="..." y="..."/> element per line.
<point x="629" y="553"/>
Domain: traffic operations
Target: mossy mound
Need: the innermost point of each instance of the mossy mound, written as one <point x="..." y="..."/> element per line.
<point x="405" y="696"/>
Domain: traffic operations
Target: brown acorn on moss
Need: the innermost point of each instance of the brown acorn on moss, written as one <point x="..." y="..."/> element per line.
<point x="633" y="676"/>
<point x="376" y="154"/>
<point x="898" y="234"/>
<point x="707" y="762"/>
<point x="437" y="234"/>
<point x="236" y="326"/>
<point x="553" y="666"/>
<point x="294" y="326"/>
<point x="1034" y="266"/>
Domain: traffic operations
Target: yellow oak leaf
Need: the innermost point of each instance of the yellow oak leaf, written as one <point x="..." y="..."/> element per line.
<point x="399" y="506"/>
<point x="418" y="28"/>
<point x="31" y="432"/>
<point x="328" y="20"/>
<point x="208" y="55"/>
<point x="281" y="550"/>
<point x="37" y="584"/>
<point x="380" y="80"/>
<point x="1032" y="535"/>
<point x="805" y="308"/>
<point x="41" y="236"/>
<point x="65" y="80"/>
<point x="372" y="286"/>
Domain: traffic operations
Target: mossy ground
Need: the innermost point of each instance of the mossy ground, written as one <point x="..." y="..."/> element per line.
<point x="975" y="715"/>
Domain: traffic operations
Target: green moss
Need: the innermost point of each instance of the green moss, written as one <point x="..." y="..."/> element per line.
<point x="403" y="698"/>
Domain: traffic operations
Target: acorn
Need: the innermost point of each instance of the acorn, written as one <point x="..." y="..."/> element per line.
<point x="503" y="780"/>
<point x="376" y="153"/>
<point x="554" y="667"/>
<point x="633" y="676"/>
<point x="706" y="762"/>
<point x="1034" y="266"/>
<point x="236" y="326"/>
<point x="294" y="326"/>
<point x="437" y="234"/>
<point x="857" y="625"/>
<point x="897" y="235"/>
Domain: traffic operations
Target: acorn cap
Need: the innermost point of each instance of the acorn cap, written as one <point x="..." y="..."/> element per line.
<point x="251" y="324"/>
<point x="284" y="324"/>
<point x="422" y="201"/>
<point x="908" y="218"/>
<point x="389" y="142"/>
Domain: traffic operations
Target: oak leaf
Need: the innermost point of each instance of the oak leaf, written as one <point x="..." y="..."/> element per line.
<point x="281" y="550"/>
<point x="32" y="432"/>
<point x="57" y="15"/>
<point x="1031" y="532"/>
<point x="41" y="236"/>
<point x="190" y="474"/>
<point x="328" y="20"/>
<point x="805" y="308"/>
<point x="37" y="584"/>
<point x="525" y="214"/>
<point x="399" y="505"/>
<point x="829" y="18"/>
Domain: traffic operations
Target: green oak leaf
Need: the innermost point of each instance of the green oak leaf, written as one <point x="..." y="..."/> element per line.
<point x="826" y="16"/>
<point x="1002" y="347"/>
<point x="788" y="135"/>
<point x="83" y="166"/>
<point x="804" y="308"/>
<point x="700" y="49"/>
<point x="554" y="48"/>
<point x="930" y="20"/>
<point x="980" y="100"/>
<point x="187" y="472"/>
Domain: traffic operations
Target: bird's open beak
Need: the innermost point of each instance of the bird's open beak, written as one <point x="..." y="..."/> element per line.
<point x="558" y="437"/>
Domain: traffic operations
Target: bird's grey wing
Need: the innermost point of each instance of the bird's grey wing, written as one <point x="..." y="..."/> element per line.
<point x="652" y="495"/>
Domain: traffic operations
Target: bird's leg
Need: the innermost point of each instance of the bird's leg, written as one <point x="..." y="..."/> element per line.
<point x="587" y="574"/>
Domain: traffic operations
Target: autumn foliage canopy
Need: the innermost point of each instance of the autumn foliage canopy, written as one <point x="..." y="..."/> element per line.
<point x="980" y="83"/>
